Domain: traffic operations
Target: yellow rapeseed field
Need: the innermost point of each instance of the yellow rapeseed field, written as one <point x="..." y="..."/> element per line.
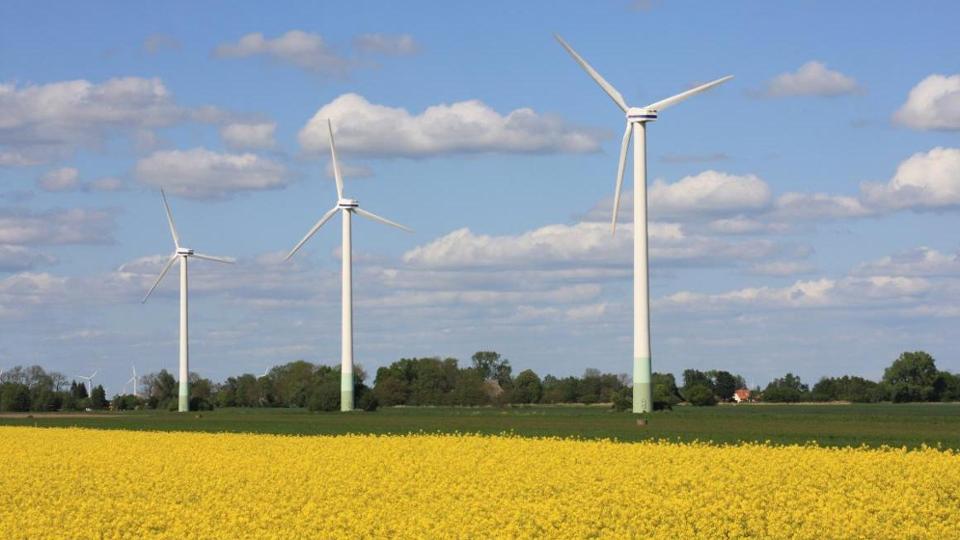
<point x="78" y="483"/>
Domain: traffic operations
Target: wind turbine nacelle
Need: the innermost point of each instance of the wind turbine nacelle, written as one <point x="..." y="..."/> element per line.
<point x="637" y="114"/>
<point x="184" y="251"/>
<point x="348" y="203"/>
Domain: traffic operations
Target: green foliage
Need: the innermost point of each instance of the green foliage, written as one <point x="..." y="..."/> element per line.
<point x="622" y="400"/>
<point x="527" y="388"/>
<point x="98" y="398"/>
<point x="325" y="396"/>
<point x="914" y="377"/>
<point x="14" y="397"/>
<point x="665" y="391"/>
<point x="787" y="389"/>
<point x="693" y="378"/>
<point x="724" y="385"/>
<point x="847" y="388"/>
<point x="126" y="402"/>
<point x="700" y="395"/>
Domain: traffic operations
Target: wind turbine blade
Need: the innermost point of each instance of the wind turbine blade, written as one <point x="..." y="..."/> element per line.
<point x="326" y="217"/>
<point x="383" y="220"/>
<point x="163" y="272"/>
<point x="673" y="100"/>
<point x="336" y="166"/>
<point x="607" y="87"/>
<point x="620" y="166"/>
<point x="173" y="229"/>
<point x="228" y="260"/>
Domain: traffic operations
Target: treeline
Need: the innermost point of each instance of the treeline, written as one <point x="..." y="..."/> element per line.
<point x="487" y="380"/>
<point x="913" y="377"/>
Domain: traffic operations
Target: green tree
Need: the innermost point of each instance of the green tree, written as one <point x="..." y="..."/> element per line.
<point x="700" y="395"/>
<point x="527" y="387"/>
<point x="787" y="389"/>
<point x="911" y="377"/>
<point x="724" y="385"/>
<point x="693" y="378"/>
<point x="98" y="398"/>
<point x="14" y="397"/>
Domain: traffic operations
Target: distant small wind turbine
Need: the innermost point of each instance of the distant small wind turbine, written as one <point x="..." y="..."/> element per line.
<point x="131" y="380"/>
<point x="637" y="118"/>
<point x="347" y="208"/>
<point x="89" y="380"/>
<point x="183" y="254"/>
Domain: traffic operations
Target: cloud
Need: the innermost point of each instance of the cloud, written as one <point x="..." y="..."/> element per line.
<point x="62" y="179"/>
<point x="40" y="123"/>
<point x="349" y="170"/>
<point x="934" y="103"/>
<point x="588" y="244"/>
<point x="741" y="224"/>
<point x="460" y="128"/>
<point x="68" y="179"/>
<point x="19" y="258"/>
<point x="812" y="79"/>
<point x="814" y="206"/>
<point x="921" y="261"/>
<point x="929" y="180"/>
<point x="296" y="47"/>
<point x="848" y="292"/>
<point x="202" y="174"/>
<point x="56" y="227"/>
<point x="155" y="43"/>
<point x="394" y="45"/>
<point x="709" y="191"/>
<point x="249" y="136"/>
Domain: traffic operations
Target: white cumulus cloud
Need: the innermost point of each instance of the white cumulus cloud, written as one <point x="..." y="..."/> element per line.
<point x="934" y="103"/>
<point x="249" y="135"/>
<point x="395" y="45"/>
<point x="199" y="173"/>
<point x="302" y="49"/>
<point x="472" y="126"/>
<point x="926" y="180"/>
<point x="812" y="79"/>
<point x="62" y="179"/>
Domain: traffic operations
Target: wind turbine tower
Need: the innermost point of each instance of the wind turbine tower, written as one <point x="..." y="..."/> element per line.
<point x="637" y="119"/>
<point x="182" y="254"/>
<point x="346" y="207"/>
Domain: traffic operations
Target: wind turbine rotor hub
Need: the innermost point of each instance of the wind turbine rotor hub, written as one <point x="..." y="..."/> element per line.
<point x="637" y="114"/>
<point x="184" y="251"/>
<point x="348" y="203"/>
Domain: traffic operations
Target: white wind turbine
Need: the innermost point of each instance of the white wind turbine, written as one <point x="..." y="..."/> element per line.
<point x="183" y="254"/>
<point x="347" y="208"/>
<point x="89" y="380"/>
<point x="637" y="118"/>
<point x="131" y="380"/>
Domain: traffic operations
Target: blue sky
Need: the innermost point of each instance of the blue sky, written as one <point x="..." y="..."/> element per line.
<point x="805" y="214"/>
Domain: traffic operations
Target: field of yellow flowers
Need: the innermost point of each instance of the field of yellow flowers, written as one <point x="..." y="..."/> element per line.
<point x="75" y="483"/>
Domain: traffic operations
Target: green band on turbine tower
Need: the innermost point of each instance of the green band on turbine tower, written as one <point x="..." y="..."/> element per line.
<point x="346" y="392"/>
<point x="642" y="389"/>
<point x="184" y="404"/>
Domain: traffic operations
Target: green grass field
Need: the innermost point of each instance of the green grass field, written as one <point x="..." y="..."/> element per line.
<point x="834" y="425"/>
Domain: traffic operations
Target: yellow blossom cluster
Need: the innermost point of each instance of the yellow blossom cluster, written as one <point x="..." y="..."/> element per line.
<point x="80" y="483"/>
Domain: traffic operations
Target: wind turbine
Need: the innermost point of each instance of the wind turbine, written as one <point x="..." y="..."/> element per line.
<point x="183" y="254"/>
<point x="131" y="380"/>
<point x="637" y="118"/>
<point x="347" y="208"/>
<point x="89" y="381"/>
